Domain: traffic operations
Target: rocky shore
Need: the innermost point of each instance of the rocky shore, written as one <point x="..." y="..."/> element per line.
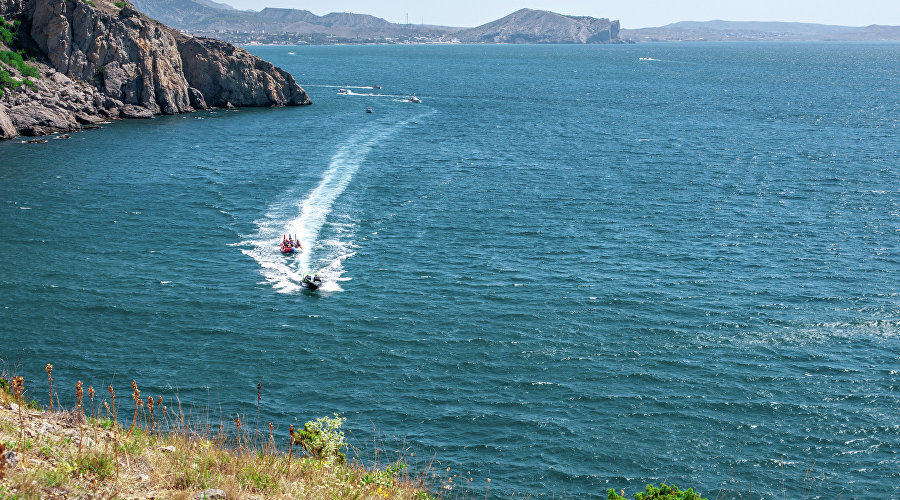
<point x="100" y="60"/>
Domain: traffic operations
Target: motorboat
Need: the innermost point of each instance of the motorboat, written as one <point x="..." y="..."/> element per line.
<point x="376" y="86"/>
<point x="368" y="110"/>
<point x="290" y="245"/>
<point x="414" y="99"/>
<point x="311" y="282"/>
<point x="343" y="91"/>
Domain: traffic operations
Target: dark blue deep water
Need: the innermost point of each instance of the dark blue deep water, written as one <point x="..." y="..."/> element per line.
<point x="567" y="269"/>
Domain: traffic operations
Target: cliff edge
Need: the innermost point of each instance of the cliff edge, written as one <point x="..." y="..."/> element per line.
<point x="100" y="60"/>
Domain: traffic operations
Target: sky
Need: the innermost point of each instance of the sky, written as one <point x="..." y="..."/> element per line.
<point x="631" y="13"/>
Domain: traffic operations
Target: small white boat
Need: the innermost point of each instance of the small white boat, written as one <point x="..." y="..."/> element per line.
<point x="414" y="99"/>
<point x="343" y="91"/>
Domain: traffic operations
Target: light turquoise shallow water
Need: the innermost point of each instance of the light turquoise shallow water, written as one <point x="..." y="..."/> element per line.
<point x="567" y="269"/>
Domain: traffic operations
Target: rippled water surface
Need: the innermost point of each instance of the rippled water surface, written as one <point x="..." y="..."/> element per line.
<point x="567" y="269"/>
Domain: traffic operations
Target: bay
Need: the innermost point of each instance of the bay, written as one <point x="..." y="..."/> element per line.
<point x="568" y="269"/>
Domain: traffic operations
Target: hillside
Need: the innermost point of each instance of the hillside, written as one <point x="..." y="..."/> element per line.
<point x="760" y="31"/>
<point x="540" y="26"/>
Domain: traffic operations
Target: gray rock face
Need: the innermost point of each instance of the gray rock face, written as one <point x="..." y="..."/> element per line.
<point x="540" y="26"/>
<point x="9" y="7"/>
<point x="7" y="129"/>
<point x="224" y="73"/>
<point x="117" y="63"/>
<point x="42" y="117"/>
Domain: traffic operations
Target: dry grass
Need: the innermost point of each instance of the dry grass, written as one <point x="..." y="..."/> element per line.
<point x="164" y="454"/>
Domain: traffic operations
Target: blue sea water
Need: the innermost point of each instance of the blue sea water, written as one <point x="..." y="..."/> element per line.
<point x="568" y="269"/>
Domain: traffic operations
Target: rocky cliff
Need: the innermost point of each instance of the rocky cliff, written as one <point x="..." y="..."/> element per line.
<point x="541" y="26"/>
<point x="100" y="60"/>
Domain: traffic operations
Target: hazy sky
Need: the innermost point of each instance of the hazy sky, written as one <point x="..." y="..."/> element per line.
<point x="632" y="13"/>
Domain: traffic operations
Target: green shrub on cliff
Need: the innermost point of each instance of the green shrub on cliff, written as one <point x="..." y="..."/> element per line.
<point x="7" y="81"/>
<point x="8" y="31"/>
<point x="12" y="59"/>
<point x="15" y="60"/>
<point x="664" y="492"/>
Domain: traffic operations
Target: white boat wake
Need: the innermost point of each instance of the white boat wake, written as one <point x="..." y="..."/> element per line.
<point x="342" y="86"/>
<point x="307" y="218"/>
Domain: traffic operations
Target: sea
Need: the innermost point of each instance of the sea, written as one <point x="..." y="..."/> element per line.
<point x="568" y="269"/>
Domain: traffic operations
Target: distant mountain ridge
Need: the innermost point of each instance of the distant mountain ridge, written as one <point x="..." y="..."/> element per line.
<point x="541" y="26"/>
<point x="206" y="16"/>
<point x="719" y="30"/>
<point x="281" y="25"/>
<point x="523" y="26"/>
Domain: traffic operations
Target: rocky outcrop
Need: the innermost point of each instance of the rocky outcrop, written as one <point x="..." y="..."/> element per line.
<point x="7" y="129"/>
<point x="221" y="73"/>
<point x="541" y="26"/>
<point x="103" y="61"/>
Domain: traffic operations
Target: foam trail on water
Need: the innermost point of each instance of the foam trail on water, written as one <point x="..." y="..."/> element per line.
<point x="306" y="218"/>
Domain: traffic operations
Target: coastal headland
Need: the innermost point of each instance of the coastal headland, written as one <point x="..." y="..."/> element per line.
<point x="93" y="61"/>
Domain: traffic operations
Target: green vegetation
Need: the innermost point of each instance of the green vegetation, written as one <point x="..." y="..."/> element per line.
<point x="14" y="60"/>
<point x="664" y="492"/>
<point x="120" y="5"/>
<point x="8" y="31"/>
<point x="89" y="2"/>
<point x="7" y="81"/>
<point x="323" y="439"/>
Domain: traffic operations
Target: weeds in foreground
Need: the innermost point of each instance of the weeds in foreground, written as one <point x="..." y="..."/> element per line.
<point x="170" y="454"/>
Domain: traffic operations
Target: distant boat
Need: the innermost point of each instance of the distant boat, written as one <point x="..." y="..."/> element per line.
<point x="376" y="86"/>
<point x="647" y="59"/>
<point x="368" y="110"/>
<point x="343" y="91"/>
<point x="414" y="99"/>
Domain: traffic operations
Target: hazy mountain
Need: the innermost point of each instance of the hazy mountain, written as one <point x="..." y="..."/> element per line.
<point x="755" y="30"/>
<point x="541" y="26"/>
<point x="215" y="5"/>
<point x="205" y="16"/>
